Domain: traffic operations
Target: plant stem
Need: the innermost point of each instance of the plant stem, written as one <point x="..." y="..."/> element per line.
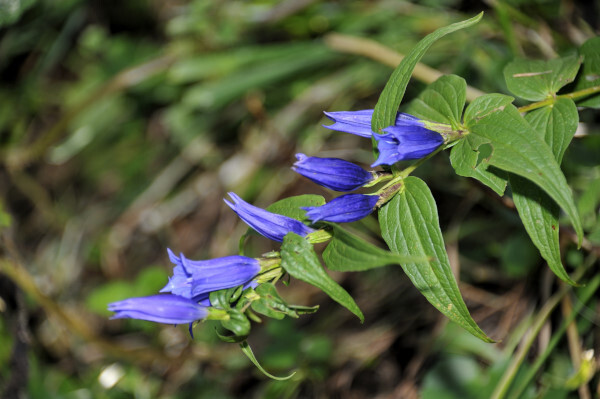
<point x="518" y="359"/>
<point x="552" y="100"/>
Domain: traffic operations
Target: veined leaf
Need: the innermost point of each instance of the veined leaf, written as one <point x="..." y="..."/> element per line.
<point x="391" y="96"/>
<point x="468" y="161"/>
<point x="537" y="80"/>
<point x="442" y="101"/>
<point x="517" y="148"/>
<point x="483" y="106"/>
<point x="299" y="259"/>
<point x="556" y="124"/>
<point x="349" y="253"/>
<point x="410" y="227"/>
<point x="537" y="210"/>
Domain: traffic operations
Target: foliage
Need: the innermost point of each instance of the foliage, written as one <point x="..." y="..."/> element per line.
<point x="124" y="127"/>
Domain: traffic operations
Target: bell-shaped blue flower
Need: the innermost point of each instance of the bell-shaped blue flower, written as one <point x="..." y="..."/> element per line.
<point x="167" y="309"/>
<point x="267" y="224"/>
<point x="343" y="209"/>
<point x="405" y="142"/>
<point x="334" y="173"/>
<point x="407" y="139"/>
<point x="195" y="279"/>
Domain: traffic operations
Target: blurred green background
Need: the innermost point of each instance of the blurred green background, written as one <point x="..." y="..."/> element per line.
<point x="124" y="124"/>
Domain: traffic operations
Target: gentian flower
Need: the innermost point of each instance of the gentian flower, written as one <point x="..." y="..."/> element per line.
<point x="343" y="209"/>
<point x="333" y="173"/>
<point x="409" y="137"/>
<point x="167" y="309"/>
<point x="268" y="224"/>
<point x="195" y="279"/>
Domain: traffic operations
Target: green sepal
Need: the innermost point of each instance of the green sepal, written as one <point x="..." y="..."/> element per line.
<point x="248" y="352"/>
<point x="237" y="323"/>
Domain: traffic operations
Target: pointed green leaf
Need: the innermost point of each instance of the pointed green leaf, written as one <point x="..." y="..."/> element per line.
<point x="537" y="210"/>
<point x="590" y="74"/>
<point x="410" y="226"/>
<point x="517" y="148"/>
<point x="468" y="161"/>
<point x="537" y="80"/>
<point x="539" y="214"/>
<point x="442" y="101"/>
<point x="299" y="259"/>
<point x="557" y="125"/>
<point x="391" y="96"/>
<point x="483" y="106"/>
<point x="349" y="253"/>
<point x="248" y="352"/>
<point x="271" y="304"/>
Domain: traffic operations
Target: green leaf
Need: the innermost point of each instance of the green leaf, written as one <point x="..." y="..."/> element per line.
<point x="590" y="74"/>
<point x="442" y="101"/>
<point x="271" y="304"/>
<point x="248" y="352"/>
<point x="391" y="96"/>
<point x="517" y="148"/>
<point x="230" y="339"/>
<point x="290" y="206"/>
<point x="537" y="210"/>
<point x="539" y="215"/>
<point x="537" y="80"/>
<point x="299" y="259"/>
<point x="465" y="159"/>
<point x="349" y="253"/>
<point x="410" y="227"/>
<point x="483" y="106"/>
<point x="557" y="124"/>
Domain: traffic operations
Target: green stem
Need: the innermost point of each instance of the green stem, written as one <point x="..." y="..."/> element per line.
<point x="406" y="172"/>
<point x="588" y="292"/>
<point x="552" y="100"/>
<point x="518" y="359"/>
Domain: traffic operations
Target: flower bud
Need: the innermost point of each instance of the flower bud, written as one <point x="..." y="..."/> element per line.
<point x="267" y="224"/>
<point x="334" y="173"/>
<point x="343" y="209"/>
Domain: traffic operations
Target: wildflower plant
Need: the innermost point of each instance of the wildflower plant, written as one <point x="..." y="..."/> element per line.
<point x="527" y="145"/>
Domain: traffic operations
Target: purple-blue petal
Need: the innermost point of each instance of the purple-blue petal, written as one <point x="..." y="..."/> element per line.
<point x="400" y="143"/>
<point x="192" y="278"/>
<point x="343" y="209"/>
<point x="333" y="173"/>
<point x="268" y="224"/>
<point x="167" y="309"/>
<point x="359" y="122"/>
<point x="407" y="139"/>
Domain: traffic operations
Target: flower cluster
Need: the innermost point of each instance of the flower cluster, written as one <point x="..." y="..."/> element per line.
<point x="189" y="289"/>
<point x="186" y="296"/>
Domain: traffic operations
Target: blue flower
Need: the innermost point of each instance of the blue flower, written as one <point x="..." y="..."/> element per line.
<point x="167" y="309"/>
<point x="407" y="139"/>
<point x="343" y="209"/>
<point x="333" y="173"/>
<point x="195" y="279"/>
<point x="268" y="224"/>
